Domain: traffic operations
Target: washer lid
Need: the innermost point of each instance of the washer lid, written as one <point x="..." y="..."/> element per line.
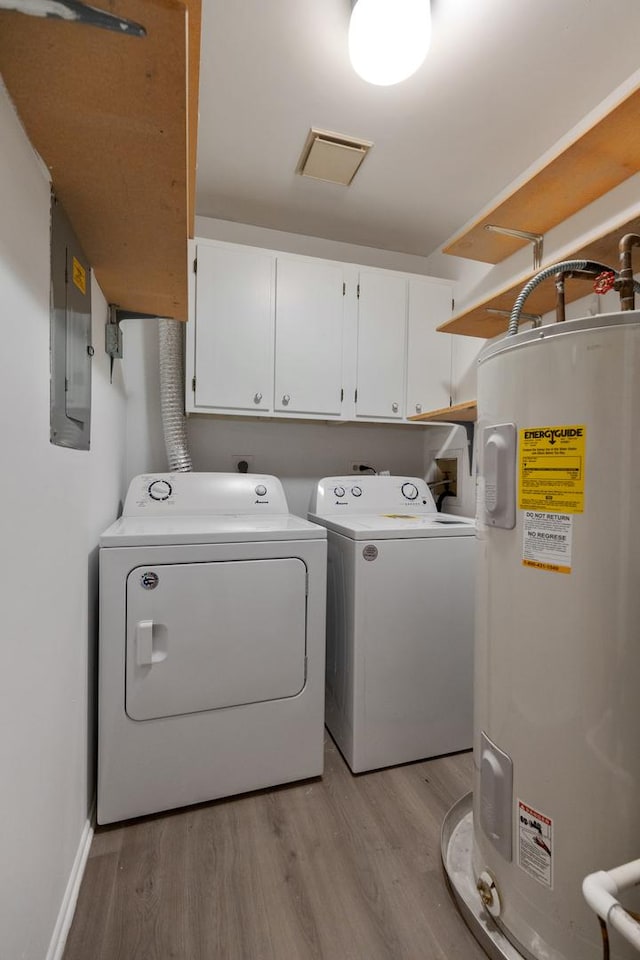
<point x="399" y="526"/>
<point x="242" y="528"/>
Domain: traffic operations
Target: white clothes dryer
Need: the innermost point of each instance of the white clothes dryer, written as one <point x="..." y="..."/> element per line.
<point x="211" y="663"/>
<point x="400" y="606"/>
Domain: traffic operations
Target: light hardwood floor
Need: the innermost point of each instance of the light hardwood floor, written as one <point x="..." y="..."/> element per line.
<point x="339" y="868"/>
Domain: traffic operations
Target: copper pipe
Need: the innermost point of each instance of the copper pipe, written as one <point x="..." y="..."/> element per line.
<point x="593" y="266"/>
<point x="627" y="299"/>
<point x="563" y="275"/>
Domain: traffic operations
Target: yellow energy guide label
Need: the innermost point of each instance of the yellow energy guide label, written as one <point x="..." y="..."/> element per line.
<point x="551" y="468"/>
<point x="551" y="491"/>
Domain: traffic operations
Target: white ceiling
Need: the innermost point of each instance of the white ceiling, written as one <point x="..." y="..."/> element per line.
<point x="503" y="81"/>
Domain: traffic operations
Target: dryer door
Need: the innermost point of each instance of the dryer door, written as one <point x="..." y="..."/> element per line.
<point x="201" y="636"/>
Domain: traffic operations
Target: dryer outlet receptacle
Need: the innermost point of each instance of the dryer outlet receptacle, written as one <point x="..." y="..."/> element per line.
<point x="242" y="462"/>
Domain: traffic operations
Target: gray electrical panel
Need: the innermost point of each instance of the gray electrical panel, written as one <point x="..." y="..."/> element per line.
<point x="71" y="349"/>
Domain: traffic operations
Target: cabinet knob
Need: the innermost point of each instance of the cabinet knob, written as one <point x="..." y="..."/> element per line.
<point x="257" y="397"/>
<point x="286" y="399"/>
<point x="418" y="408"/>
<point x="394" y="407"/>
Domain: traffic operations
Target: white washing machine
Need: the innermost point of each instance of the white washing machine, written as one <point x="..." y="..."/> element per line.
<point x="212" y="623"/>
<point x="399" y="620"/>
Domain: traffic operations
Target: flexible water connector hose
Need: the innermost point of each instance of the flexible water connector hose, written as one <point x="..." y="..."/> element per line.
<point x="563" y="266"/>
<point x="170" y="335"/>
<point x="550" y="271"/>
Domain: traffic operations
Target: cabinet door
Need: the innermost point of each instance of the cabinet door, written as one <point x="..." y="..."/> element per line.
<point x="234" y="329"/>
<point x="309" y="326"/>
<point x="428" y="352"/>
<point x="382" y="319"/>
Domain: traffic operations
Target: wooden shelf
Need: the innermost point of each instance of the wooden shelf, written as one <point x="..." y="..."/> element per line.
<point x="478" y="322"/>
<point x="599" y="159"/>
<point x="114" y="118"/>
<point x="458" y="413"/>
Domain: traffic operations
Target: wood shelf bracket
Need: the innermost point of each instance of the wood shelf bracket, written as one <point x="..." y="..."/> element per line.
<point x="469" y="426"/>
<point x="535" y="318"/>
<point x="113" y="331"/>
<point x="76" y="11"/>
<point x="537" y="239"/>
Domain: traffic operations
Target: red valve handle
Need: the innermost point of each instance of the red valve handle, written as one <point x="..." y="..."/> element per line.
<point x="604" y="281"/>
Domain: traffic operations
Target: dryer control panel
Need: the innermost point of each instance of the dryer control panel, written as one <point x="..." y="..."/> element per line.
<point x="371" y="494"/>
<point x="204" y="495"/>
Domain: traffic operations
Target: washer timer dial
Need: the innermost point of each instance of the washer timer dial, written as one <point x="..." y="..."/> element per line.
<point x="160" y="490"/>
<point x="410" y="491"/>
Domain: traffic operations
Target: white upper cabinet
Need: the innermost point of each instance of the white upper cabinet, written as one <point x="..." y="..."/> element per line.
<point x="234" y="315"/>
<point x="429" y="352"/>
<point x="309" y="336"/>
<point x="382" y="323"/>
<point x="280" y="335"/>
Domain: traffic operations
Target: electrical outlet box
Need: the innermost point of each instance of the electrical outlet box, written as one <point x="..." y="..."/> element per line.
<point x="239" y="460"/>
<point x="354" y="466"/>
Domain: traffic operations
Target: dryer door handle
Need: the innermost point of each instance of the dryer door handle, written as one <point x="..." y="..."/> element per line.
<point x="144" y="643"/>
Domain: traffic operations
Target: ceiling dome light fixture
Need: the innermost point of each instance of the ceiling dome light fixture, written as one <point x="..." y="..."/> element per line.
<point x="389" y="39"/>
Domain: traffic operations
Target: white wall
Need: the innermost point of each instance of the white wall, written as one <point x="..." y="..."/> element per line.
<point x="301" y="452"/>
<point x="590" y="306"/>
<point x="55" y="502"/>
<point x="437" y="264"/>
<point x="211" y="229"/>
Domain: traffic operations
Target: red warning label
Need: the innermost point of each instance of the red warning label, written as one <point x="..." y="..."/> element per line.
<point x="535" y="844"/>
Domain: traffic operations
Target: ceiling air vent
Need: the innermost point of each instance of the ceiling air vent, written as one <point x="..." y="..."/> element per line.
<point x="331" y="156"/>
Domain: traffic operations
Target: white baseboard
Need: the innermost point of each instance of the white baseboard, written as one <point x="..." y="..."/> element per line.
<point x="68" y="905"/>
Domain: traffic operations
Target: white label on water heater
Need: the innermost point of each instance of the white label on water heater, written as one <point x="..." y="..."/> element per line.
<point x="546" y="541"/>
<point x="535" y="844"/>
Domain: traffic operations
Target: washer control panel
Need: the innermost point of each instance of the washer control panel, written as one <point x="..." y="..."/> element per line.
<point x="204" y="494"/>
<point x="371" y="494"/>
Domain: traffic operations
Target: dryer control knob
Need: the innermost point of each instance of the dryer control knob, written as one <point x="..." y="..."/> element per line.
<point x="160" y="490"/>
<point x="261" y="490"/>
<point x="339" y="491"/>
<point x="356" y="491"/>
<point x="410" y="491"/>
